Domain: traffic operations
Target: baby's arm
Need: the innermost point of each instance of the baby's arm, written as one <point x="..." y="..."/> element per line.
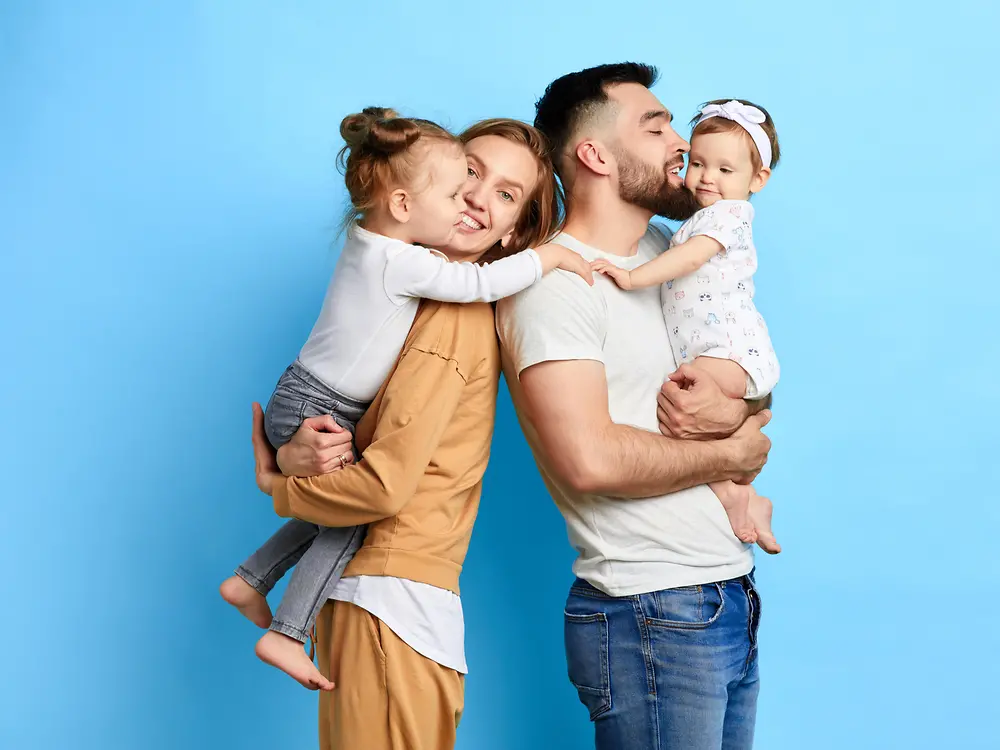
<point x="730" y="376"/>
<point x="418" y="272"/>
<point x="682" y="260"/>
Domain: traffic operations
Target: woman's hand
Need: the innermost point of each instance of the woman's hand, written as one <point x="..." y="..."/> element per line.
<point x="319" y="446"/>
<point x="265" y="462"/>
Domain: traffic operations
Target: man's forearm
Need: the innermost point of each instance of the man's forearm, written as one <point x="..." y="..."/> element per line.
<point x="632" y="463"/>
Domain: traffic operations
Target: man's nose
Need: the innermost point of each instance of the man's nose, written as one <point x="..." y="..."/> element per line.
<point x="680" y="145"/>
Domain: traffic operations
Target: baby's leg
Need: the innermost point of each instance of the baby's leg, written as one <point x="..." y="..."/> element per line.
<point x="732" y="378"/>
<point x="735" y="498"/>
<point x="760" y="514"/>
<point x="254" y="579"/>
<point x="749" y="513"/>
<point x="311" y="585"/>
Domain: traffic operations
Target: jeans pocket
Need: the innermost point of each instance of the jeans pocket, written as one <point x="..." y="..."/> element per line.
<point x="688" y="608"/>
<point x="282" y="418"/>
<point x="587" y="660"/>
<point x="754" y="599"/>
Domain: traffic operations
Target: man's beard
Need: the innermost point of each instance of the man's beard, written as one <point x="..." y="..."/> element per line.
<point x="645" y="186"/>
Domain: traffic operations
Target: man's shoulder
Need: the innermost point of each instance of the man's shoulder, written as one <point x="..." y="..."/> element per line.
<point x="557" y="289"/>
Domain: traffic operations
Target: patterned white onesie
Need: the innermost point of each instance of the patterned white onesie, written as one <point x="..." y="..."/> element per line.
<point x="710" y="313"/>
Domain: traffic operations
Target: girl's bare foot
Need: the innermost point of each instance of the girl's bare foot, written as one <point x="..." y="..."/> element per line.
<point x="251" y="604"/>
<point x="760" y="512"/>
<point x="288" y="655"/>
<point x="735" y="498"/>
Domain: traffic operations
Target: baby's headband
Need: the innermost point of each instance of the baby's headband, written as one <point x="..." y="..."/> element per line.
<point x="747" y="117"/>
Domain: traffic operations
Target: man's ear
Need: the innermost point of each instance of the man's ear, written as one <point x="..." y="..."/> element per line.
<point x="595" y="156"/>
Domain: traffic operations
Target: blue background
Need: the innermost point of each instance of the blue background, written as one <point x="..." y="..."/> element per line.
<point x="168" y="200"/>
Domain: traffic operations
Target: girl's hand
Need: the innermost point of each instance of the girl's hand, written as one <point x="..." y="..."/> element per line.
<point x="557" y="256"/>
<point x="618" y="275"/>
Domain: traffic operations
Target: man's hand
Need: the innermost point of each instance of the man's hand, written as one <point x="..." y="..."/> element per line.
<point x="750" y="447"/>
<point x="691" y="406"/>
<point x="265" y="463"/>
<point x="320" y="446"/>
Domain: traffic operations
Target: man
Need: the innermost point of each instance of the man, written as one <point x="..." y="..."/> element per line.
<point x="661" y="623"/>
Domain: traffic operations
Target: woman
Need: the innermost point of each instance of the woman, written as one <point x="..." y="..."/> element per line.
<point x="392" y="637"/>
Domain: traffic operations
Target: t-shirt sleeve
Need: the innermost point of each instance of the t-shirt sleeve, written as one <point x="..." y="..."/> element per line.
<point x="413" y="271"/>
<point x="559" y="318"/>
<point x="726" y="222"/>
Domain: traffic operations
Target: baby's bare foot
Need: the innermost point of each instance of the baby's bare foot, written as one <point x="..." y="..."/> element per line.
<point x="287" y="654"/>
<point x="760" y="512"/>
<point x="247" y="600"/>
<point x="735" y="498"/>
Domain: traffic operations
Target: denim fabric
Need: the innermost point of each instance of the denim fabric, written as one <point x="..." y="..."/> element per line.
<point x="669" y="670"/>
<point x="319" y="554"/>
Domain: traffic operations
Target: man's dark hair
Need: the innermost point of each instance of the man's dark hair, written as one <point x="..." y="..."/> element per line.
<point x="569" y="99"/>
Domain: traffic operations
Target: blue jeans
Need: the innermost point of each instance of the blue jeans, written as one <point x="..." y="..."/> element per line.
<point x="669" y="670"/>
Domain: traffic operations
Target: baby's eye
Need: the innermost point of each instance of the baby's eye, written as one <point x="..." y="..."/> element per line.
<point x="506" y="196"/>
<point x="726" y="171"/>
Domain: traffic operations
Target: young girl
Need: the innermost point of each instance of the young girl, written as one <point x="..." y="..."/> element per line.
<point x="707" y="277"/>
<point x="405" y="178"/>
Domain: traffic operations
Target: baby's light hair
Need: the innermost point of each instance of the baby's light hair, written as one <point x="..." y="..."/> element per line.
<point x="722" y="125"/>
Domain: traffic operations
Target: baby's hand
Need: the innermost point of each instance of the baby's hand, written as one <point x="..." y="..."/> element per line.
<point x="619" y="275"/>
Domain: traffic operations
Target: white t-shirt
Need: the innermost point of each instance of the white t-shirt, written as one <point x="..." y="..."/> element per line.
<point x="711" y="313"/>
<point x="373" y="297"/>
<point x="624" y="546"/>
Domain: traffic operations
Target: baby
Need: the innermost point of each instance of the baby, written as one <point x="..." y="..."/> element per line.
<point x="707" y="278"/>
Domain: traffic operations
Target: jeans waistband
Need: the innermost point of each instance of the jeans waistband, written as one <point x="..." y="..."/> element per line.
<point x="745" y="581"/>
<point x="300" y="371"/>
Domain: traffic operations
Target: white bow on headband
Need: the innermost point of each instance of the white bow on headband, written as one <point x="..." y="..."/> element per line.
<point x="747" y="117"/>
